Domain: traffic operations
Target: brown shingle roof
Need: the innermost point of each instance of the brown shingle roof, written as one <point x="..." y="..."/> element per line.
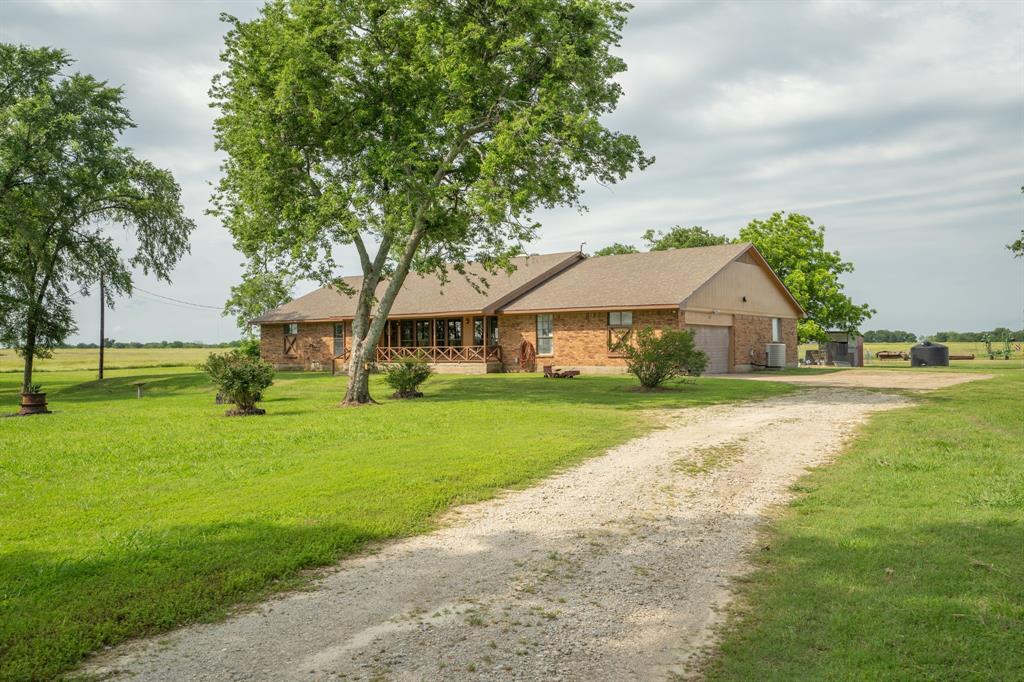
<point x="655" y="278"/>
<point x="424" y="294"/>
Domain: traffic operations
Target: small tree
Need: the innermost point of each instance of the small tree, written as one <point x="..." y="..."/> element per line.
<point x="241" y="378"/>
<point x="406" y="375"/>
<point x="655" y="359"/>
<point x="683" y="238"/>
<point x="616" y="249"/>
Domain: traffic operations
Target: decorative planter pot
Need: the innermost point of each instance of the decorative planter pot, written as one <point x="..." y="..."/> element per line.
<point x="33" y="403"/>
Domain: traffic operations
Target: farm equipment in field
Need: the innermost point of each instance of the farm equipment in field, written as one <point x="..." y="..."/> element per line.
<point x="1002" y="353"/>
<point x="891" y="355"/>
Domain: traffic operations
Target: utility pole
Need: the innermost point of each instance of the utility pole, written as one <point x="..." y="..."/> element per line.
<point x="103" y="305"/>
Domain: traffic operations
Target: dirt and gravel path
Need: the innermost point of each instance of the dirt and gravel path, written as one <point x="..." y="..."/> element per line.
<point x="917" y="380"/>
<point x="614" y="570"/>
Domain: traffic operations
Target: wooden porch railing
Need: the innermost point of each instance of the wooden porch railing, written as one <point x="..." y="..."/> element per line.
<point x="432" y="354"/>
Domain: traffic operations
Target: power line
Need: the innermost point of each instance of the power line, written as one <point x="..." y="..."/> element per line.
<point x="178" y="300"/>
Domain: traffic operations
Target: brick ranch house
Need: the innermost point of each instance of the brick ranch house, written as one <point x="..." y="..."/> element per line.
<point x="570" y="308"/>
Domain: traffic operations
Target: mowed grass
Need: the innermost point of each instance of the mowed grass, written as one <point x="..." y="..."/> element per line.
<point x="70" y="359"/>
<point x="123" y="517"/>
<point x="902" y="561"/>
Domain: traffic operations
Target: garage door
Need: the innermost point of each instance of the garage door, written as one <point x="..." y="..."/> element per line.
<point x="714" y="341"/>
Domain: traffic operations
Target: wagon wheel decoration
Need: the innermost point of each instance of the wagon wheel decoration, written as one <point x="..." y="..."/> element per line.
<point x="527" y="357"/>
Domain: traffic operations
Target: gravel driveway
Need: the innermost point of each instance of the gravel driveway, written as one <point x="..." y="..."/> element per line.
<point x="614" y="570"/>
<point x="914" y="380"/>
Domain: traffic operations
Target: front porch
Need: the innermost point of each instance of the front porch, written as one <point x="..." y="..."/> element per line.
<point x="445" y="359"/>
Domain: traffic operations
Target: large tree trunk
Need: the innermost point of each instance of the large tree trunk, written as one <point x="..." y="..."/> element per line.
<point x="358" y="390"/>
<point x="365" y="331"/>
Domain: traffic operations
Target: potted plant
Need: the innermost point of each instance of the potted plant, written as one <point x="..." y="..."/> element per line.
<point x="33" y="401"/>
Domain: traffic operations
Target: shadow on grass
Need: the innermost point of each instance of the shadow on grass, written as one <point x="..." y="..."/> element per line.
<point x="55" y="610"/>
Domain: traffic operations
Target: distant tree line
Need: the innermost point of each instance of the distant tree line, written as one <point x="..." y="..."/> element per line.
<point x="997" y="334"/>
<point x="111" y="343"/>
<point x="889" y="336"/>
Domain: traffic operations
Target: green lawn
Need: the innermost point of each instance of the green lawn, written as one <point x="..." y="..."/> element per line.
<point x="121" y="517"/>
<point x="904" y="560"/>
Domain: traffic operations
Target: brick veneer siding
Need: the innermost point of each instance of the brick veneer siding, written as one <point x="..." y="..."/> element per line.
<point x="315" y="344"/>
<point x="580" y="338"/>
<point x="752" y="333"/>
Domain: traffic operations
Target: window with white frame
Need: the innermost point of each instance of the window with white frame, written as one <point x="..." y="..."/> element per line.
<point x="620" y="318"/>
<point x="545" y="335"/>
<point x="776" y="330"/>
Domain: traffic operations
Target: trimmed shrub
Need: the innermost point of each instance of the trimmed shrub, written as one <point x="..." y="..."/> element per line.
<point x="240" y="378"/>
<point x="406" y="375"/>
<point x="654" y="359"/>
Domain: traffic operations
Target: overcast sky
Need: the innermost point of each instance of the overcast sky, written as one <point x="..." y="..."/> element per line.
<point x="898" y="126"/>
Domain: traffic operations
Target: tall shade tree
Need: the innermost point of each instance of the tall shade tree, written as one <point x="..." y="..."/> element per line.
<point x="795" y="249"/>
<point x="64" y="181"/>
<point x="417" y="131"/>
<point x="682" y="238"/>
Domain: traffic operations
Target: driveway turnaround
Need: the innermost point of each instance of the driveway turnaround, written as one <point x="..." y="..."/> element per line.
<point x="908" y="380"/>
<point x="614" y="570"/>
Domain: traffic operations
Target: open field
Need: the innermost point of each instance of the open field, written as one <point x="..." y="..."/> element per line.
<point x="955" y="348"/>
<point x="903" y="559"/>
<point x="71" y="359"/>
<point x="123" y="517"/>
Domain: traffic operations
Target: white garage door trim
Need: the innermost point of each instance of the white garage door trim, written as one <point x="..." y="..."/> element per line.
<point x="714" y="341"/>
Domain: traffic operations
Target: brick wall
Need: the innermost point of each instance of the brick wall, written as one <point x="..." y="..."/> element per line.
<point x="315" y="344"/>
<point x="580" y="338"/>
<point x="752" y="332"/>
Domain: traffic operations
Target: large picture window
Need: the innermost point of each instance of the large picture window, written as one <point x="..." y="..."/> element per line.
<point x="454" y="332"/>
<point x="545" y="335"/>
<point x="406" y="333"/>
<point x="478" y="331"/>
<point x="422" y="333"/>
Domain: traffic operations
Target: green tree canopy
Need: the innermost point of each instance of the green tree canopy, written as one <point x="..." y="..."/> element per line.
<point x="616" y="249"/>
<point x="64" y="182"/>
<point x="795" y="249"/>
<point x="260" y="290"/>
<point x="418" y="131"/>
<point x="682" y="238"/>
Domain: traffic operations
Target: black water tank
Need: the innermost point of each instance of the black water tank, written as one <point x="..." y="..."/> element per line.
<point x="928" y="354"/>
